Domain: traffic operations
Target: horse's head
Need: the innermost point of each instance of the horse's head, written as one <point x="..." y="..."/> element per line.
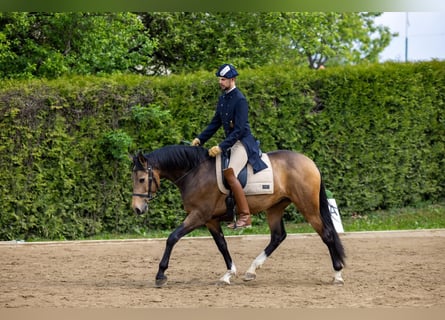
<point x="146" y="182"/>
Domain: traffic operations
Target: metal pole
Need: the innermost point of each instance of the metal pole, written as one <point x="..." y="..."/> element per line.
<point x="406" y="37"/>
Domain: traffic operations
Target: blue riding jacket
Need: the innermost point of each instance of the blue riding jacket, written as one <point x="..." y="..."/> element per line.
<point x="232" y="114"/>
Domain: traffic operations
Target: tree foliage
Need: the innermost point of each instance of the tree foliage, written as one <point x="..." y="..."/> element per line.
<point x="341" y="38"/>
<point x="54" y="44"/>
<point x="198" y="40"/>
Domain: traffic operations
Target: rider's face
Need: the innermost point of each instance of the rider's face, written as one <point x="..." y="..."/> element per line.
<point x="226" y="84"/>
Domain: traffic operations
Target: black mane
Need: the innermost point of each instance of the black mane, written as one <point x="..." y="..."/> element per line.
<point x="174" y="157"/>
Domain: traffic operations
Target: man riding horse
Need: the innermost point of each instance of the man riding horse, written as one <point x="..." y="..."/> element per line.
<point x="232" y="114"/>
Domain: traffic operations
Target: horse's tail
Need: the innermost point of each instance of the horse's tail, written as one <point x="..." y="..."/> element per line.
<point x="330" y="235"/>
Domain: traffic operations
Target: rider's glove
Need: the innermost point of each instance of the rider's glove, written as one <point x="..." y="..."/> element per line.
<point x="214" y="151"/>
<point x="196" y="142"/>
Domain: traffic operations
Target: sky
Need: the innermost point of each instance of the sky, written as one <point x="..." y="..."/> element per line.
<point x="425" y="32"/>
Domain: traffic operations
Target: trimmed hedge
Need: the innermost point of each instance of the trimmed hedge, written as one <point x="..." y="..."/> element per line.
<point x="376" y="132"/>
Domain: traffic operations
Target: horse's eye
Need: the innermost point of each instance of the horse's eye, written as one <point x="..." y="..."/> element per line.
<point x="141" y="180"/>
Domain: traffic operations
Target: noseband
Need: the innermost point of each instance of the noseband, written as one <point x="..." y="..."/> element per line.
<point x="150" y="194"/>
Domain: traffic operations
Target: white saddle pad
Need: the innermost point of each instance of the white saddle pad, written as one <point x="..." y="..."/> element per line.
<point x="258" y="183"/>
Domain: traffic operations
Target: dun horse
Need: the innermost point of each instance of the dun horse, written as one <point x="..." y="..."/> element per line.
<point x="296" y="178"/>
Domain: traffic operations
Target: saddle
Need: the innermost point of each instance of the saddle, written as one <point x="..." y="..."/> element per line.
<point x="252" y="184"/>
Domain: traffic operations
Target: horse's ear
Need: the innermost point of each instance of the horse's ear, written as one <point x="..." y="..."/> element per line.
<point x="141" y="159"/>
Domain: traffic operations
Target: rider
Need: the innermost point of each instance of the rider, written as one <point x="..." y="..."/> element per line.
<point x="232" y="114"/>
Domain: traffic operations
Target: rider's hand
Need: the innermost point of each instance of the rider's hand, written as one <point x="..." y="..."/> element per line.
<point x="214" y="151"/>
<point x="196" y="142"/>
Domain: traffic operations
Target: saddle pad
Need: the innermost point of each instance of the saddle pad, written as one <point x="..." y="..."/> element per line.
<point x="259" y="183"/>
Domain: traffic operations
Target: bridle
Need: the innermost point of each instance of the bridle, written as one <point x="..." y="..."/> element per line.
<point x="150" y="194"/>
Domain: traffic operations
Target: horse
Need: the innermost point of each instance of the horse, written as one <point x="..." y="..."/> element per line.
<point x="296" y="178"/>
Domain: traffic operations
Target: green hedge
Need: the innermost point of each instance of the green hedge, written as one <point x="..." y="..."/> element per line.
<point x="384" y="128"/>
<point x="376" y="132"/>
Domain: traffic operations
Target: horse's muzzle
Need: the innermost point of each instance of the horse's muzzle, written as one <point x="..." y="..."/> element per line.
<point x="140" y="208"/>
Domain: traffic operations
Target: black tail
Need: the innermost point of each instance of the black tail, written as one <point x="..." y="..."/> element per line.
<point x="330" y="235"/>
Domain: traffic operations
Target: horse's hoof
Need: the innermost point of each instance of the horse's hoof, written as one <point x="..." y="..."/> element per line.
<point x="161" y="282"/>
<point x="338" y="282"/>
<point x="249" y="276"/>
<point x="338" y="279"/>
<point x="223" y="282"/>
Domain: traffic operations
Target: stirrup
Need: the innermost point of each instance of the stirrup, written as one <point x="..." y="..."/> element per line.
<point x="234" y="225"/>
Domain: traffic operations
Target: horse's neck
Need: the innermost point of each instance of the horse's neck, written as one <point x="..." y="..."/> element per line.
<point x="174" y="176"/>
<point x="180" y="175"/>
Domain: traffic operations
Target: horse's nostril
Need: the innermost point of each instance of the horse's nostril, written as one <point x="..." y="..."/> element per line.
<point x="138" y="210"/>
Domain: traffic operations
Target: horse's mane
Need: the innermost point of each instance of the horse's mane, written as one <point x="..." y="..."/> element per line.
<point x="175" y="157"/>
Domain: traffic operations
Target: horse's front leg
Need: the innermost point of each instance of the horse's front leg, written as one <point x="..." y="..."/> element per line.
<point x="173" y="238"/>
<point x="214" y="227"/>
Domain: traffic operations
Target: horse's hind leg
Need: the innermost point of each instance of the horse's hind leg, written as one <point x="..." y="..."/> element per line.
<point x="277" y="236"/>
<point x="330" y="237"/>
<point x="316" y="211"/>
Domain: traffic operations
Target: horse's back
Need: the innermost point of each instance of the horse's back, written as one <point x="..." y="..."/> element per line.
<point x="292" y="158"/>
<point x="293" y="165"/>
